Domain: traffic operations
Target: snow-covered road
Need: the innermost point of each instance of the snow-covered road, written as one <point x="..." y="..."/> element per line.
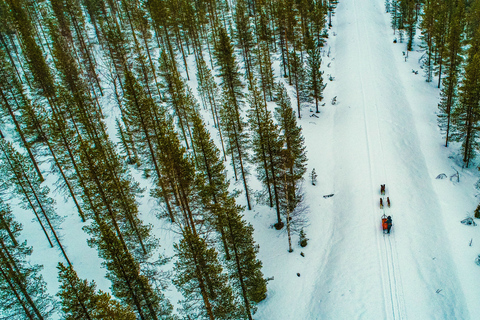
<point x="368" y="275"/>
<point x="371" y="137"/>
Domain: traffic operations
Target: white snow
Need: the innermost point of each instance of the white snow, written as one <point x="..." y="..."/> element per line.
<point x="382" y="130"/>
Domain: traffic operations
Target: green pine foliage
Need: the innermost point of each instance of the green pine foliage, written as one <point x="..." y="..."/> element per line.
<point x="177" y="97"/>
<point x="128" y="283"/>
<point x="230" y="76"/>
<point x="25" y="184"/>
<point x="293" y="153"/>
<point x="245" y="266"/>
<point x="62" y="63"/>
<point x="439" y="35"/>
<point x="200" y="278"/>
<point x="299" y="80"/>
<point x="427" y="26"/>
<point x="453" y="60"/>
<point x="467" y="113"/>
<point x="23" y="293"/>
<point x="409" y="19"/>
<point x="222" y="213"/>
<point x="314" y="75"/>
<point x="244" y="35"/>
<point x="236" y="142"/>
<point x="303" y="241"/>
<point x="80" y="300"/>
<point x="211" y="181"/>
<point x="266" y="145"/>
<point x="16" y="109"/>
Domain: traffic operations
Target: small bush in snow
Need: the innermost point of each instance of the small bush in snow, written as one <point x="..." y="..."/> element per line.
<point x="303" y="239"/>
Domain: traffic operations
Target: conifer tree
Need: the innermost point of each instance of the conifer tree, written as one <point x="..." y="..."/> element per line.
<point x="236" y="143"/>
<point x="128" y="283"/>
<point x="230" y="77"/>
<point x="211" y="181"/>
<point x="225" y="216"/>
<point x="142" y="116"/>
<point x="266" y="149"/>
<point x="314" y="75"/>
<point x="79" y="299"/>
<point x="208" y="89"/>
<point x="299" y="80"/>
<point x="427" y="25"/>
<point x="439" y="36"/>
<point x="332" y="5"/>
<point x="244" y="35"/>
<point x="45" y="85"/>
<point x="265" y="70"/>
<point x="407" y="9"/>
<point x="23" y="293"/>
<point x="27" y="186"/>
<point x="177" y="97"/>
<point x="453" y="60"/>
<point x="199" y="276"/>
<point x="467" y="114"/>
<point x="10" y="90"/>
<point x="293" y="155"/>
<point x="245" y="267"/>
<point x="318" y="21"/>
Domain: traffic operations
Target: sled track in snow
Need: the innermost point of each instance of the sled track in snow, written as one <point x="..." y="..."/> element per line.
<point x="388" y="255"/>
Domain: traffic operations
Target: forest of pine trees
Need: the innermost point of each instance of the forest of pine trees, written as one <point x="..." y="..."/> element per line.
<point x="94" y="91"/>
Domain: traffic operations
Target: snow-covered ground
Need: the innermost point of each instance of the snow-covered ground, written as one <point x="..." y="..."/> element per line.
<point x="382" y="130"/>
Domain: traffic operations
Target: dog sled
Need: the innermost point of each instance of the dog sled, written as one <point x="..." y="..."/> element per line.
<point x="386" y="223"/>
<point x="386" y="220"/>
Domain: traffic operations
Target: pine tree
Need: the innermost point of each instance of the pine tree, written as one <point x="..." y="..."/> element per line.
<point x="28" y="188"/>
<point x="245" y="267"/>
<point x="236" y="143"/>
<point x="266" y="149"/>
<point x="80" y="300"/>
<point x="453" y="60"/>
<point x="142" y="115"/>
<point x="10" y="97"/>
<point x="427" y="25"/>
<point x="23" y="292"/>
<point x="314" y="75"/>
<point x="244" y="34"/>
<point x="230" y="77"/>
<point x="313" y="176"/>
<point x="199" y="276"/>
<point x="303" y="239"/>
<point x="293" y="157"/>
<point x="298" y="80"/>
<point x="467" y="114"/>
<point x="267" y="78"/>
<point x="439" y="36"/>
<point x="407" y="9"/>
<point x="177" y="97"/>
<point x="128" y="283"/>
<point x="332" y="5"/>
<point x="211" y="181"/>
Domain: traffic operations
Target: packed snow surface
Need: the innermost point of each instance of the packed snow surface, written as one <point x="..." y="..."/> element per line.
<point x="382" y="130"/>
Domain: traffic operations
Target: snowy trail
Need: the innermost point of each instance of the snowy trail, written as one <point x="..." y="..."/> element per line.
<point x="366" y="275"/>
<point x="379" y="132"/>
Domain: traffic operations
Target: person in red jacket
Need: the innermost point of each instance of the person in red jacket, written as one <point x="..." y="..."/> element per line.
<point x="389" y="224"/>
